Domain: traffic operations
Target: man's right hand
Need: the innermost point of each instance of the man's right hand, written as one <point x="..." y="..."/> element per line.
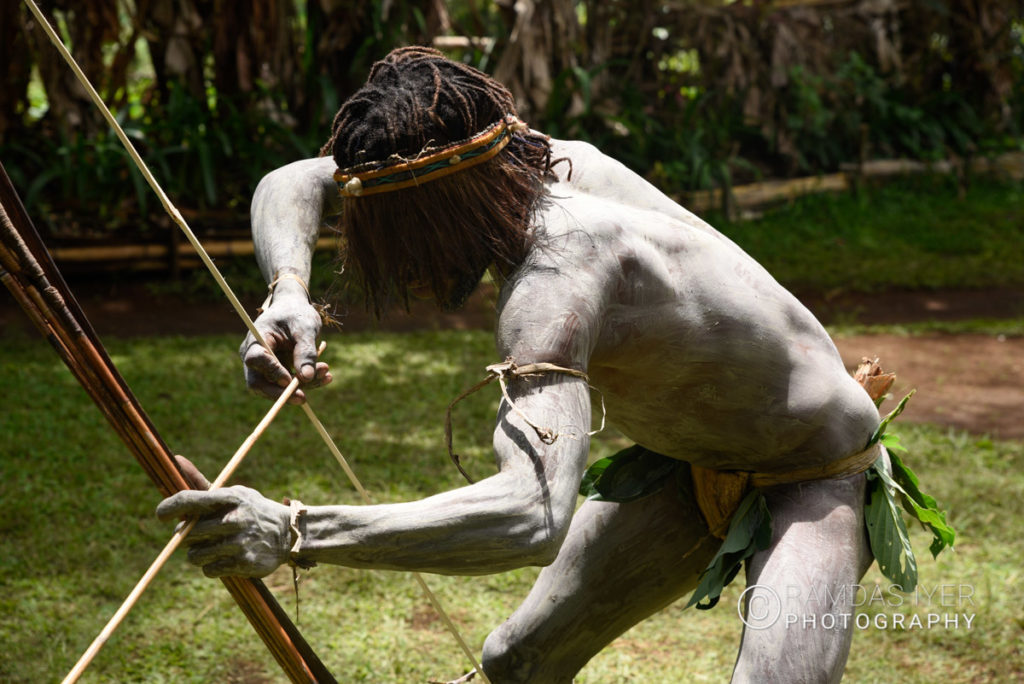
<point x="290" y="326"/>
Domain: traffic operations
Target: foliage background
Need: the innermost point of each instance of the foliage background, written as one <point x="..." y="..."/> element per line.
<point x="691" y="93"/>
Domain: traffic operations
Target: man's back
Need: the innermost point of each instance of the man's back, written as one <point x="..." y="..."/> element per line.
<point x="699" y="353"/>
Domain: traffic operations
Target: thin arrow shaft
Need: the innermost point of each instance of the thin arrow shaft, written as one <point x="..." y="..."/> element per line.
<point x="129" y="603"/>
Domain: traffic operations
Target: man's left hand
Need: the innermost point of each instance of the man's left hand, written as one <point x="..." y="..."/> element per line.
<point x="240" y="532"/>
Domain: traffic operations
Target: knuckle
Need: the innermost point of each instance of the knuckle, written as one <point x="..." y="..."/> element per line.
<point x="255" y="353"/>
<point x="235" y="494"/>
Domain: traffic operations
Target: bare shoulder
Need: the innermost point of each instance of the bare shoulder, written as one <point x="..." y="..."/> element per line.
<point x="595" y="173"/>
<point x="596" y="251"/>
<point x="551" y="307"/>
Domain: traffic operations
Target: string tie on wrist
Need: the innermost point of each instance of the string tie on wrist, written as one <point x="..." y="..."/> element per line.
<point x="278" y="277"/>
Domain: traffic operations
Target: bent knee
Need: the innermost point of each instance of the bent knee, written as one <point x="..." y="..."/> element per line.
<point x="507" y="661"/>
<point x="503" y="662"/>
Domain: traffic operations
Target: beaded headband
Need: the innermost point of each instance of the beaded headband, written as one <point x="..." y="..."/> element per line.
<point x="433" y="163"/>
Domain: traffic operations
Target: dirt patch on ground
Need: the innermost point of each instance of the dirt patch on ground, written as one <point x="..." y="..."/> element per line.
<point x="910" y="306"/>
<point x="971" y="382"/>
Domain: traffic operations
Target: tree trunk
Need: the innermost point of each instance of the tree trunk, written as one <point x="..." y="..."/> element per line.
<point x="90" y="24"/>
<point x="542" y="45"/>
<point x="177" y="44"/>
<point x="16" y="68"/>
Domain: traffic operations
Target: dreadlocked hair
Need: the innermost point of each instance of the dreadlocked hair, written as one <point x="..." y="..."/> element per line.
<point x="446" y="233"/>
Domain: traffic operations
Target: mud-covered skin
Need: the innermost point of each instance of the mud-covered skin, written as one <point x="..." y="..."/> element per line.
<point x="698" y="353"/>
<point x="288" y="208"/>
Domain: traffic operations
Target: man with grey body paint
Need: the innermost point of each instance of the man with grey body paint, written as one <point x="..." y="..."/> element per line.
<point x="699" y="353"/>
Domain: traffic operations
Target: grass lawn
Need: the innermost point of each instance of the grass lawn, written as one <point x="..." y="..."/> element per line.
<point x="79" y="529"/>
<point x="913" y="233"/>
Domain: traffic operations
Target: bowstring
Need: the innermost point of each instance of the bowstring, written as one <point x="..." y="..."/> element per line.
<point x="179" y="220"/>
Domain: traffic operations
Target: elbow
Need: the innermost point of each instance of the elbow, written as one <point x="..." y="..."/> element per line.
<point x="543" y="550"/>
<point x="267" y="183"/>
<point x="543" y="537"/>
<point x="293" y="184"/>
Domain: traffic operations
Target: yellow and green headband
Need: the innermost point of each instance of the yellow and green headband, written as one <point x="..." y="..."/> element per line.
<point x="433" y="163"/>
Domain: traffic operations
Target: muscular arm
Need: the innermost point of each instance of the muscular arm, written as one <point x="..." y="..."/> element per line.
<point x="515" y="518"/>
<point x="288" y="208"/>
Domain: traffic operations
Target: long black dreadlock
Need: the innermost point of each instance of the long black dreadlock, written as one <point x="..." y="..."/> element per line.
<point x="447" y="232"/>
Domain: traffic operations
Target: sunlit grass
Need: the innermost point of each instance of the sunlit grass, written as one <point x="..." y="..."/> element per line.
<point x="79" y="529"/>
<point x="913" y="233"/>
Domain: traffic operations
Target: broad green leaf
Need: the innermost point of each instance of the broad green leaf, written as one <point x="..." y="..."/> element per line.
<point x="591" y="476"/>
<point x="750" y="531"/>
<point x="722" y="570"/>
<point x="917" y="503"/>
<point x="745" y="522"/>
<point x="892" y="442"/>
<point x="922" y="506"/>
<point x="908" y="482"/>
<point x="887" y="533"/>
<point x="903" y="480"/>
<point x="631" y="474"/>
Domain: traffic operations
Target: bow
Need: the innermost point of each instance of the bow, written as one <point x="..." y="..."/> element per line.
<point x="28" y="272"/>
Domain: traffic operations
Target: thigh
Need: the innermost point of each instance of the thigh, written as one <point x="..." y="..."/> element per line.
<point x="619" y="564"/>
<point x="800" y="590"/>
